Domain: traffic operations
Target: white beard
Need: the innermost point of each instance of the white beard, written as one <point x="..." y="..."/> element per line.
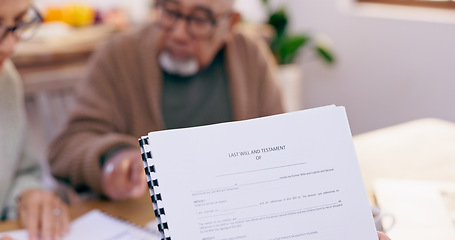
<point x="183" y="68"/>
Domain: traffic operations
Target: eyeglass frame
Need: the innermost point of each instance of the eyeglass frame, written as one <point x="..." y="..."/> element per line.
<point x="214" y="20"/>
<point x="13" y="29"/>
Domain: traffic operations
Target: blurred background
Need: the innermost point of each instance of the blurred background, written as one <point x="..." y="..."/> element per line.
<point x="387" y="61"/>
<point x="393" y="63"/>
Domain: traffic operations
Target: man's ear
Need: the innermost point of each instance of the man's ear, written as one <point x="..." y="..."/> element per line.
<point x="233" y="20"/>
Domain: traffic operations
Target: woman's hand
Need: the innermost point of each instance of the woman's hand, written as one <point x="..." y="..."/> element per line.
<point x="43" y="214"/>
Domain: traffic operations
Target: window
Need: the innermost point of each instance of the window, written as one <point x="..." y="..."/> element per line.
<point x="422" y="3"/>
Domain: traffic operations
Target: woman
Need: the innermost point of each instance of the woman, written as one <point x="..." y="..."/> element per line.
<point x="42" y="213"/>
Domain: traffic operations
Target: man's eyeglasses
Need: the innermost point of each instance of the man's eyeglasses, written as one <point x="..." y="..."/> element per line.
<point x="201" y="23"/>
<point x="25" y="28"/>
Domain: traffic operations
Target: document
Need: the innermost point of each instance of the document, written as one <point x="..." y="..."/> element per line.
<point x="98" y="226"/>
<point x="289" y="176"/>
<point x="422" y="209"/>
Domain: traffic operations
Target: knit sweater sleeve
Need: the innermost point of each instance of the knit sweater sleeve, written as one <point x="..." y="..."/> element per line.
<point x="28" y="176"/>
<point x="20" y="163"/>
<point x="96" y="124"/>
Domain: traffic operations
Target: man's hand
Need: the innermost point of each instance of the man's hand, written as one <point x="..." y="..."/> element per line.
<point x="123" y="175"/>
<point x="382" y="236"/>
<point x="43" y="212"/>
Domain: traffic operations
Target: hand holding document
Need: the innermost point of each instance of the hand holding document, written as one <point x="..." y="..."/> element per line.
<point x="289" y="176"/>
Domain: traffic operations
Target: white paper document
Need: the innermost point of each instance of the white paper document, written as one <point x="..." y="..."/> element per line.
<point x="289" y="176"/>
<point x="96" y="225"/>
<point x="422" y="209"/>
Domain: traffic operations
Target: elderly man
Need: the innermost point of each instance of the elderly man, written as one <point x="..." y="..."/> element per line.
<point x="191" y="67"/>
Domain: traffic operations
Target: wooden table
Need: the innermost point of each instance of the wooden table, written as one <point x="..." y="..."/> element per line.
<point x="423" y="150"/>
<point x="138" y="211"/>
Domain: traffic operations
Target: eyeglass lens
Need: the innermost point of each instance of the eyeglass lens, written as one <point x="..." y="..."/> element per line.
<point x="26" y="26"/>
<point x="200" y="23"/>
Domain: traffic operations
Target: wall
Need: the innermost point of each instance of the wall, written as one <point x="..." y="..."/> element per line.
<point x="389" y="70"/>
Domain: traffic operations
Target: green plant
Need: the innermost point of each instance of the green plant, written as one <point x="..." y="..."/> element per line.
<point x="285" y="46"/>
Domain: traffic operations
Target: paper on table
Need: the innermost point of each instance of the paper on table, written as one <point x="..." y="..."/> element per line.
<point x="17" y="235"/>
<point x="289" y="176"/>
<point x="96" y="225"/>
<point x="418" y="207"/>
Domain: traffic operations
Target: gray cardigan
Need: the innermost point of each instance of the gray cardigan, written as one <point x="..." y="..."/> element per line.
<point x="19" y="169"/>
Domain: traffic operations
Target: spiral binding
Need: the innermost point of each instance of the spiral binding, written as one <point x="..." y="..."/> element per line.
<point x="153" y="184"/>
<point x="128" y="223"/>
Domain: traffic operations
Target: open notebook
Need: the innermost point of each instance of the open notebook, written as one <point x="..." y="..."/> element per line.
<point x="97" y="225"/>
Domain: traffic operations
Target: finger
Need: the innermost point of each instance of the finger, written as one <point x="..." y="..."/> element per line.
<point x="47" y="221"/>
<point x="57" y="217"/>
<point x="136" y="170"/>
<point x="113" y="180"/>
<point x="57" y="226"/>
<point x="108" y="180"/>
<point x="30" y="217"/>
<point x="62" y="220"/>
<point x="122" y="179"/>
<point x="57" y="220"/>
<point x="65" y="220"/>
<point x="382" y="236"/>
<point x="120" y="187"/>
<point x="123" y="171"/>
<point x="138" y="183"/>
<point x="138" y="189"/>
<point x="143" y="177"/>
